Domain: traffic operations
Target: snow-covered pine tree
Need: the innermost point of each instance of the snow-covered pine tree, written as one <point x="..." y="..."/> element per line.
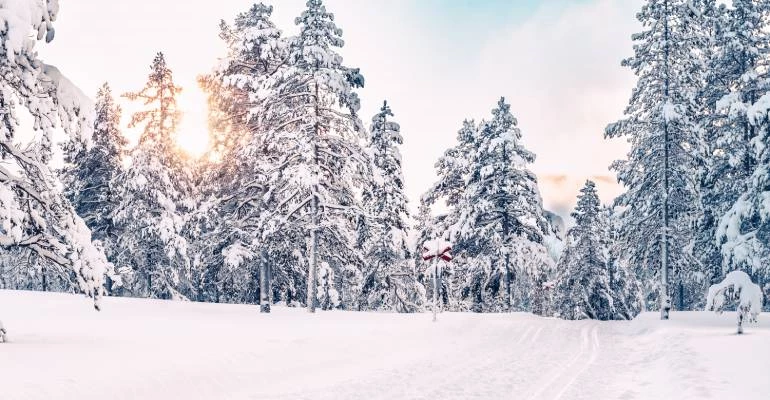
<point x="213" y="275"/>
<point x="309" y="111"/>
<point x="91" y="179"/>
<point x="661" y="198"/>
<point x="713" y="189"/>
<point x="236" y="182"/>
<point x="387" y="280"/>
<point x="34" y="214"/>
<point x="155" y="194"/>
<point x="501" y="223"/>
<point x="556" y="234"/>
<point x="744" y="230"/>
<point x="624" y="285"/>
<point x="425" y="228"/>
<point x="452" y="167"/>
<point x="583" y="282"/>
<point x="448" y="190"/>
<point x="739" y="68"/>
<point x="255" y="49"/>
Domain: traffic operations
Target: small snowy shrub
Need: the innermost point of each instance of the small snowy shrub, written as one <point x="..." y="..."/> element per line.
<point x="736" y="286"/>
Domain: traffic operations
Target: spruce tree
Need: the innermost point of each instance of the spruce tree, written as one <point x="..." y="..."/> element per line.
<point x="661" y="197"/>
<point x="235" y="185"/>
<point x="744" y="230"/>
<point x="583" y="285"/>
<point x="452" y="167"/>
<point x="624" y="285"/>
<point x="735" y="175"/>
<point x="155" y="194"/>
<point x="255" y="49"/>
<point x="91" y="181"/>
<point x="448" y="191"/>
<point x="426" y="228"/>
<point x="502" y="224"/>
<point x="386" y="276"/>
<point x="714" y="191"/>
<point x="309" y="112"/>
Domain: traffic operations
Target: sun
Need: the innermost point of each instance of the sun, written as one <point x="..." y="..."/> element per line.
<point x="192" y="137"/>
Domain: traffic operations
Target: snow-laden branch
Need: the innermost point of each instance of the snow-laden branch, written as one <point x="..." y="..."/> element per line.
<point x="737" y="285"/>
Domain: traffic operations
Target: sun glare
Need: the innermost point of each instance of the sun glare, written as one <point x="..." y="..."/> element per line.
<point x="193" y="136"/>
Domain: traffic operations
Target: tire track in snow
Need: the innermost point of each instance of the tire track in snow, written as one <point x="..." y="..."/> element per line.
<point x="563" y="377"/>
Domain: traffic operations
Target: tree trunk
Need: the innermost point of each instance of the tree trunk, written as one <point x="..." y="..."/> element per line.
<point x="264" y="284"/>
<point x="45" y="278"/>
<point x="312" y="268"/>
<point x="665" y="301"/>
<point x="506" y="233"/>
<point x="311" y="274"/>
<point x="508" y="283"/>
<point x="436" y="283"/>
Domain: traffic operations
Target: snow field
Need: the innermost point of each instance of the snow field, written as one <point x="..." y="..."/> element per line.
<point x="59" y="348"/>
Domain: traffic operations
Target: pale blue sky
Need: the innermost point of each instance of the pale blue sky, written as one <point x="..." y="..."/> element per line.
<point x="436" y="61"/>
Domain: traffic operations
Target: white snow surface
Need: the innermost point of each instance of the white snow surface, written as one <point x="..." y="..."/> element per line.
<point x="59" y="348"/>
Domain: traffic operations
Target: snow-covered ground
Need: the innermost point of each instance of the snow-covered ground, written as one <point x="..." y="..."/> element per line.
<point x="141" y="349"/>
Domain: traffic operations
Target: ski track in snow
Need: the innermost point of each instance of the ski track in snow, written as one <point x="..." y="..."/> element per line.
<point x="523" y="337"/>
<point x="142" y="349"/>
<point x="560" y="379"/>
<point x="585" y="362"/>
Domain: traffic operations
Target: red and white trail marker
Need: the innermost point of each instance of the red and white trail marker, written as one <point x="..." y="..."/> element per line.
<point x="436" y="250"/>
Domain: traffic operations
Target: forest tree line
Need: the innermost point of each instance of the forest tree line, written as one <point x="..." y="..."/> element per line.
<point x="298" y="188"/>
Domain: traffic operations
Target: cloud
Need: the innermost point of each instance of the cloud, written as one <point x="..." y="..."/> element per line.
<point x="555" y="179"/>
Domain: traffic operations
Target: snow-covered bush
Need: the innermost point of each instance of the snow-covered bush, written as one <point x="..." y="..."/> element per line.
<point x="737" y="286"/>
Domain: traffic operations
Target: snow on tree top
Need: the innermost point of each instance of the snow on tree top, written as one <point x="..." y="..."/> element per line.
<point x="75" y="108"/>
